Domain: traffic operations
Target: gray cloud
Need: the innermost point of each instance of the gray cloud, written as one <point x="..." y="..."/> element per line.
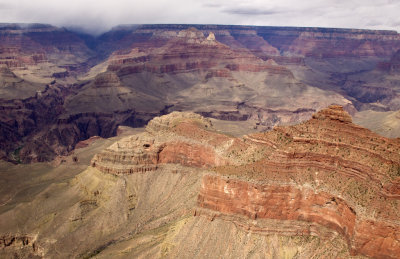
<point x="396" y="24"/>
<point x="5" y="6"/>
<point x="212" y="5"/>
<point x="373" y="23"/>
<point x="249" y="11"/>
<point x="98" y="16"/>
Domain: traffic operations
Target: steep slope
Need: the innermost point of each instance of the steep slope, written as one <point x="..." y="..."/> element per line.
<point x="40" y="53"/>
<point x="188" y="71"/>
<point x="263" y="76"/>
<point x="384" y="123"/>
<point x="306" y="42"/>
<point x="348" y="183"/>
<point x="281" y="193"/>
<point x="297" y="191"/>
<point x="378" y="88"/>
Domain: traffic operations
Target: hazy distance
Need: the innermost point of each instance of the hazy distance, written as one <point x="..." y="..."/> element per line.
<point x="98" y="16"/>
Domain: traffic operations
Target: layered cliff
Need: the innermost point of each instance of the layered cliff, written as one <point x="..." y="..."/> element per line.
<point x="192" y="67"/>
<point x="325" y="188"/>
<point x="326" y="173"/>
<point x="265" y="76"/>
<point x="272" y="41"/>
<point x="24" y="46"/>
<point x="166" y="141"/>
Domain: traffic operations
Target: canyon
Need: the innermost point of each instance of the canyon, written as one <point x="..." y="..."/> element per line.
<point x="199" y="141"/>
<point x="59" y="87"/>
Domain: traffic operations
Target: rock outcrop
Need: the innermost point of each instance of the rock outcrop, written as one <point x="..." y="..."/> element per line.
<point x="324" y="173"/>
<point x="145" y="152"/>
<point x="24" y="244"/>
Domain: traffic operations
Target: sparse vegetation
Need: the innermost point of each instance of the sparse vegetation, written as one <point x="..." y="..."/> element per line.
<point x="15" y="155"/>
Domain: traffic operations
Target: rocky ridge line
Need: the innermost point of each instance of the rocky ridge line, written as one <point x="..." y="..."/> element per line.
<point x="324" y="173"/>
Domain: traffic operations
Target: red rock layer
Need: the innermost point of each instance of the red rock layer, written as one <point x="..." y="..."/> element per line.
<point x="371" y="238"/>
<point x="377" y="239"/>
<point x="331" y="143"/>
<point x="268" y="42"/>
<point x="188" y="154"/>
<point x="326" y="172"/>
<point x="192" y="146"/>
<point x="328" y="43"/>
<point x="86" y="142"/>
<point x="277" y="202"/>
<point x="148" y="157"/>
<point x="14" y="58"/>
<point x="188" y="50"/>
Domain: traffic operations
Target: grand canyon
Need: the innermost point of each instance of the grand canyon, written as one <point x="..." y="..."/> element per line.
<point x="199" y="141"/>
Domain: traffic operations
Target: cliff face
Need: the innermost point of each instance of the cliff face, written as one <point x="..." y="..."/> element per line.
<point x="264" y="75"/>
<point x="39" y="128"/>
<point x="324" y="173"/>
<point x="325" y="188"/>
<point x="271" y="41"/>
<point x="371" y="237"/>
<point x="356" y="43"/>
<point x="30" y="44"/>
<point x="393" y="65"/>
<point x="235" y="82"/>
<point x="145" y="152"/>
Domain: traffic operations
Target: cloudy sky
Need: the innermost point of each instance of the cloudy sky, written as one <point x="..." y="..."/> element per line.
<point x="97" y="15"/>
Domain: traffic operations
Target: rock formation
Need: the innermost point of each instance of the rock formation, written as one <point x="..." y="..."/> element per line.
<point x="393" y="66"/>
<point x="144" y="152"/>
<point x="264" y="75"/>
<point x="25" y="245"/>
<point x="31" y="44"/>
<point x="326" y="172"/>
<point x="325" y="188"/>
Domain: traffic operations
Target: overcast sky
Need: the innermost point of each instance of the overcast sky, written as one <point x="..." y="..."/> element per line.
<point x="98" y="16"/>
